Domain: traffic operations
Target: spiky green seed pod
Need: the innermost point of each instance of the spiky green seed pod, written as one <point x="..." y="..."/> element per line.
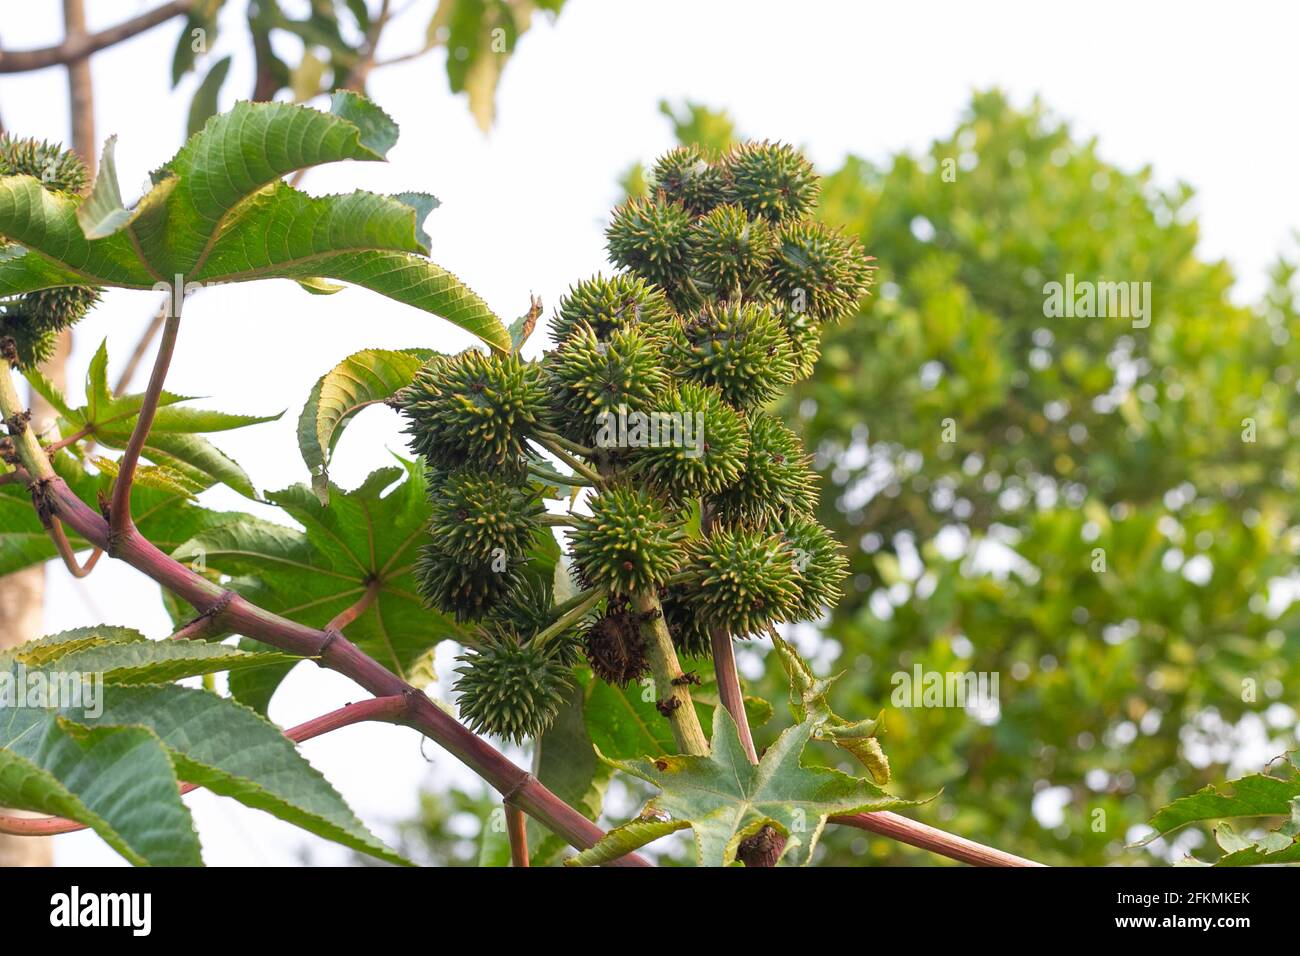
<point x="686" y="175"/>
<point x="33" y="320"/>
<point x="474" y="407"/>
<point x="819" y="564"/>
<point x="741" y="579"/>
<point x="58" y="169"/>
<point x="615" y="647"/>
<point x="593" y="379"/>
<point x="510" y="687"/>
<point x="771" y="180"/>
<point x="805" y="336"/>
<point x="608" y="304"/>
<point x="729" y="252"/>
<point x="739" y="348"/>
<point x="460" y="587"/>
<point x="651" y="238"/>
<point x="818" y="271"/>
<point x="690" y="637"/>
<point x="702" y="443"/>
<point x="526" y="609"/>
<point x="482" y="517"/>
<point x="629" y="542"/>
<point x="777" y="480"/>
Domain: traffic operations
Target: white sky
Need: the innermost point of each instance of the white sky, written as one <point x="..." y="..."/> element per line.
<point x="1203" y="92"/>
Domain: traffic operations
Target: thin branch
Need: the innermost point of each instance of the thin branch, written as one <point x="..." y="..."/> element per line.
<point x="141" y="349"/>
<point x="586" y="471"/>
<point x="387" y="709"/>
<point x="566" y="444"/>
<point x="356" y="79"/>
<point x="930" y="838"/>
<point x="517" y="831"/>
<point x="724" y="666"/>
<point x="350" y="614"/>
<point x="555" y="478"/>
<point x="72" y="439"/>
<point x="569" y="617"/>
<point x="64" y="547"/>
<point x="79" y="47"/>
<point x="120" y="508"/>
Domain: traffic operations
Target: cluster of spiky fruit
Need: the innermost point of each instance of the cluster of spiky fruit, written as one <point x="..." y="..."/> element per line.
<point x="700" y="503"/>
<point x="34" y="319"/>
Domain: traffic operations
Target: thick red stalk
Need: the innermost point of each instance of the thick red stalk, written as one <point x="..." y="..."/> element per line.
<point x="930" y="838"/>
<point x="120" y="510"/>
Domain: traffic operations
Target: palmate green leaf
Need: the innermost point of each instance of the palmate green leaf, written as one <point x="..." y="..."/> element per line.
<point x="119" y="781"/>
<point x="147" y="662"/>
<point x="1255" y="795"/>
<point x="205" y="103"/>
<point x="362" y="379"/>
<point x="51" y="647"/>
<point x="724" y="798"/>
<point x="809" y="702"/>
<point x="174" y="441"/>
<point x="165" y="517"/>
<point x="119" y="655"/>
<point x="218" y="213"/>
<point x="225" y="747"/>
<point x="364" y="537"/>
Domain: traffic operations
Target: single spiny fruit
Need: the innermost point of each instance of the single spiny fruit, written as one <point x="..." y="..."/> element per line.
<point x="777" y="480"/>
<point x="465" y="589"/>
<point x="615" y="647"/>
<point x="805" y="336"/>
<point x="818" y="271"/>
<point x="651" y="237"/>
<point x="475" y="407"/>
<point x="482" y="517"/>
<point x="740" y="579"/>
<point x="700" y="446"/>
<point x="739" y="348"/>
<point x="690" y="636"/>
<point x="509" y="686"/>
<point x="819" y="565"/>
<point x="771" y="180"/>
<point x="604" y="305"/>
<point x="527" y="609"/>
<point x="629" y="542"/>
<point x="58" y="169"/>
<point x="593" y="379"/>
<point x="685" y="175"/>
<point x="729" y="252"/>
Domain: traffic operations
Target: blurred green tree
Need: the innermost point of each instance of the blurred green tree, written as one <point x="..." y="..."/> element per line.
<point x="1100" y="511"/>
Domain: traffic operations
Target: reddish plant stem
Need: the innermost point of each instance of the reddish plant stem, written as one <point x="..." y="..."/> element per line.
<point x="724" y="667"/>
<point x="120" y="509"/>
<point x="930" y="838"/>
<point x="387" y="709"/>
<point x="64" y="547"/>
<point x="334" y="651"/>
<point x="141" y="349"/>
<point x="72" y="439"/>
<point x="350" y="614"/>
<point x="517" y="831"/>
